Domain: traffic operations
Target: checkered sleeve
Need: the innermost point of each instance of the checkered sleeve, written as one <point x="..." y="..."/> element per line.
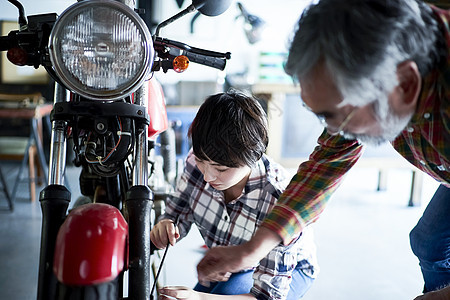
<point x="273" y="276"/>
<point x="309" y="190"/>
<point x="178" y="203"/>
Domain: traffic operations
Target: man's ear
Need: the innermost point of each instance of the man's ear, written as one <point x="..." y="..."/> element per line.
<point x="408" y="88"/>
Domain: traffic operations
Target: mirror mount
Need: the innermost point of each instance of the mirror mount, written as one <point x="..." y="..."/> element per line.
<point x="206" y="7"/>
<point x="182" y="13"/>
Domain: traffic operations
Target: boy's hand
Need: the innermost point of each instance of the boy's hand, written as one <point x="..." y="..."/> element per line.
<point x="164" y="232"/>
<point x="178" y="292"/>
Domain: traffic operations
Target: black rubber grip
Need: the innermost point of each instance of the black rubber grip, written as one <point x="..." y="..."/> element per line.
<point x="7" y="42"/>
<point x="214" y="62"/>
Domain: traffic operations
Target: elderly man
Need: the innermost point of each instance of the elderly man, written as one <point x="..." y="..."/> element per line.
<point x="372" y="71"/>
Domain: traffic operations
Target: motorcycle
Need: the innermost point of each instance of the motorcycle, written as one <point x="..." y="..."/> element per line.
<point x="101" y="55"/>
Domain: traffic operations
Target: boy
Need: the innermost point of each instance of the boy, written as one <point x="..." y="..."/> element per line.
<point x="228" y="187"/>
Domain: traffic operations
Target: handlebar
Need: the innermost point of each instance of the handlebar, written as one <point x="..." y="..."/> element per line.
<point x="8" y="42"/>
<point x="201" y="56"/>
<point x="30" y="41"/>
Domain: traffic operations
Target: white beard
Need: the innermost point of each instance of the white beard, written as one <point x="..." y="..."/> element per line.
<point x="391" y="126"/>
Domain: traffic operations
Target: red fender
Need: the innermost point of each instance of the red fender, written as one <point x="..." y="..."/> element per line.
<point x="156" y="109"/>
<point x="91" y="245"/>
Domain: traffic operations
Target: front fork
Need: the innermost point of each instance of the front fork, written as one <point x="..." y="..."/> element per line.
<point x="55" y="199"/>
<point x="139" y="201"/>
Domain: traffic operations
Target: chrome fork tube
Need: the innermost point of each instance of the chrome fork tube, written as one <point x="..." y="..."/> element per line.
<point x="140" y="174"/>
<point x="58" y="143"/>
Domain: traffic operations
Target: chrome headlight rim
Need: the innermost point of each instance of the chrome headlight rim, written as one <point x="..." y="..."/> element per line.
<point x="75" y="85"/>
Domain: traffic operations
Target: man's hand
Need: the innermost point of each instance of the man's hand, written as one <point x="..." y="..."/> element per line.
<point x="220" y="261"/>
<point x="164" y="232"/>
<point x="178" y="292"/>
<point x="443" y="294"/>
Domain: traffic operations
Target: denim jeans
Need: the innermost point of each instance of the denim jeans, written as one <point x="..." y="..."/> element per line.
<point x="242" y="282"/>
<point x="430" y="241"/>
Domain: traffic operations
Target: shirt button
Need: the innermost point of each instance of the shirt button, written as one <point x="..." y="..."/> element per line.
<point x="426" y="115"/>
<point x="410" y="129"/>
<point x="441" y="168"/>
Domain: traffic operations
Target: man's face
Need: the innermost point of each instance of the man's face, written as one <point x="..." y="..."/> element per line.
<point x="369" y="124"/>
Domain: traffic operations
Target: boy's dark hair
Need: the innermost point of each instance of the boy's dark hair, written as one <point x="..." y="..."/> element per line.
<point x="230" y="129"/>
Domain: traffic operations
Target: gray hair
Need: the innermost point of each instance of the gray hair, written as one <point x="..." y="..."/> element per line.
<point x="361" y="43"/>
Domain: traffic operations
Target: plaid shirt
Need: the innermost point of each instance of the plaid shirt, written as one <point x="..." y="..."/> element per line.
<point x="425" y="142"/>
<point x="195" y="201"/>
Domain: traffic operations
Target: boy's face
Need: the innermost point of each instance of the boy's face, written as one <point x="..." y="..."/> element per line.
<point x="219" y="176"/>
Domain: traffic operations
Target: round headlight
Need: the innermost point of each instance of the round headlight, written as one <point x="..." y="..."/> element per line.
<point x="101" y="49"/>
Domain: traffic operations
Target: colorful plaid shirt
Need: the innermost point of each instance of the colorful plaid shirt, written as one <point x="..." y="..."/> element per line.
<point x="425" y="142"/>
<point x="196" y="202"/>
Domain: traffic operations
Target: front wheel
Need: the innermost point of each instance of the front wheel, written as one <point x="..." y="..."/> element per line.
<point x="104" y="291"/>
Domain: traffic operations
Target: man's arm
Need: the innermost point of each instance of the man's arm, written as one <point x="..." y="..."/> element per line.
<point x="308" y="193"/>
<point x="220" y="260"/>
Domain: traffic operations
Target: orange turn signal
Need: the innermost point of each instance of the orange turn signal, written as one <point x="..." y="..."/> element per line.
<point x="180" y="63"/>
<point x="17" y="56"/>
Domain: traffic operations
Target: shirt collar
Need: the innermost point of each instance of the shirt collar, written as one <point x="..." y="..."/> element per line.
<point x="437" y="79"/>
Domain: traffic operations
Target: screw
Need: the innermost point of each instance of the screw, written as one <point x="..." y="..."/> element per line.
<point x="100" y="126"/>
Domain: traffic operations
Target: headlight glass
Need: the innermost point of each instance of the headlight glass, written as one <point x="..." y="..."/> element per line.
<point x="101" y="49"/>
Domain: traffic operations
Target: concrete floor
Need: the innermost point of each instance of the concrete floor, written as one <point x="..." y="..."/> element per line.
<point x="362" y="239"/>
